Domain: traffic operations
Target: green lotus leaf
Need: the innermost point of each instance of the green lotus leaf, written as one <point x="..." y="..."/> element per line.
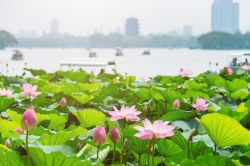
<point x="82" y="97"/>
<point x="61" y="137"/>
<point x="156" y="93"/>
<point x="236" y="84"/>
<point x="224" y="130"/>
<point x="50" y="88"/>
<point x="54" y="156"/>
<point x="240" y="94"/>
<point x="7" y="126"/>
<point x="178" y="115"/>
<point x="11" y="158"/>
<point x="90" y="117"/>
<point x="136" y="145"/>
<point x="36" y="72"/>
<point x="79" y="76"/>
<point x="215" y="80"/>
<point x="4" y="148"/>
<point x="88" y="152"/>
<point x="168" y="147"/>
<point x="5" y="103"/>
<point x="211" y="160"/>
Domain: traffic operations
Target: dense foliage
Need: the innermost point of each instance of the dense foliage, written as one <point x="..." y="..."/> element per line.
<point x="221" y="40"/>
<point x="6" y="39"/>
<point x="69" y="105"/>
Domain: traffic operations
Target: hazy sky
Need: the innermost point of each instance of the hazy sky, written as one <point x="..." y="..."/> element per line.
<point x="84" y="16"/>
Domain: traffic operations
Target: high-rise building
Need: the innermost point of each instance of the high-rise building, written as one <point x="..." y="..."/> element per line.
<point x="54" y="27"/>
<point x="225" y="16"/>
<point x="132" y="27"/>
<point x="187" y="31"/>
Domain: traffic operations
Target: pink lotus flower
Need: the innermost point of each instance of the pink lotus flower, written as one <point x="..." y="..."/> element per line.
<point x="159" y="129"/>
<point x="30" y="90"/>
<point x="200" y="105"/>
<point x="114" y="134"/>
<point x="229" y="71"/>
<point x="19" y="131"/>
<point x="29" y="119"/>
<point x="185" y="72"/>
<point x="99" y="136"/>
<point x="127" y="113"/>
<point x="176" y="104"/>
<point x="63" y="101"/>
<point x="7" y="93"/>
<point x="143" y="78"/>
<point x="245" y="67"/>
<point x="7" y="143"/>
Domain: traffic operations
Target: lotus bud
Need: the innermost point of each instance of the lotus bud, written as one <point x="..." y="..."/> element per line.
<point x="229" y="71"/>
<point x="63" y="101"/>
<point x="176" y="104"/>
<point x="145" y="109"/>
<point x="78" y="146"/>
<point x="114" y="134"/>
<point x="29" y="119"/>
<point x="99" y="136"/>
<point x="19" y="131"/>
<point x="7" y="143"/>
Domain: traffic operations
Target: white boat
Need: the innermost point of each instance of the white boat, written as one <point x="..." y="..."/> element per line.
<point x="119" y="52"/>
<point x="237" y="60"/>
<point x="146" y="52"/>
<point x="92" y="54"/>
<point x="18" y="55"/>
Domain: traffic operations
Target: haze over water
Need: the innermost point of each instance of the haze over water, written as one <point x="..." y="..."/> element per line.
<point x="161" y="61"/>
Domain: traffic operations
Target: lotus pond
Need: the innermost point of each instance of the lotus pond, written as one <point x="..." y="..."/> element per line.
<point x="78" y="118"/>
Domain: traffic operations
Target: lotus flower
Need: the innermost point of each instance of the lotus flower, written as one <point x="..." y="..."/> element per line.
<point x="143" y="78"/>
<point x="200" y="105"/>
<point x="30" y="90"/>
<point x="245" y="67"/>
<point x="114" y="134"/>
<point x="7" y="93"/>
<point x="185" y="72"/>
<point x="63" y="101"/>
<point x="159" y="129"/>
<point x="7" y="143"/>
<point x="29" y="119"/>
<point x="19" y="131"/>
<point x="127" y="113"/>
<point x="176" y="104"/>
<point x="99" y="136"/>
<point x="229" y="71"/>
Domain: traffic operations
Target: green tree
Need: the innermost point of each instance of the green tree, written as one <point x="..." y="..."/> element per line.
<point x="6" y="39"/>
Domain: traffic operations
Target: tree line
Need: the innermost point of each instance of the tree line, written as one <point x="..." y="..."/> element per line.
<point x="211" y="40"/>
<point x="221" y="40"/>
<point x="110" y="41"/>
<point x="6" y="39"/>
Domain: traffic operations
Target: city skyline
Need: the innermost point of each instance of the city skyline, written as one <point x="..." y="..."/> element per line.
<point x="86" y="17"/>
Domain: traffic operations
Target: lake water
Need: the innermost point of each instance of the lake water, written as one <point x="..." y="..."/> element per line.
<point x="161" y="61"/>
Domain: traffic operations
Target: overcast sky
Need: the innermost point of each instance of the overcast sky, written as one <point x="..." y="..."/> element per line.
<point x="83" y="17"/>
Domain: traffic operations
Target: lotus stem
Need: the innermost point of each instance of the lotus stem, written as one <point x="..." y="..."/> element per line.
<point x="139" y="162"/>
<point x="153" y="152"/>
<point x="30" y="101"/>
<point x="113" y="159"/>
<point x="148" y="159"/>
<point x="149" y="152"/>
<point x="27" y="146"/>
<point x="97" y="154"/>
